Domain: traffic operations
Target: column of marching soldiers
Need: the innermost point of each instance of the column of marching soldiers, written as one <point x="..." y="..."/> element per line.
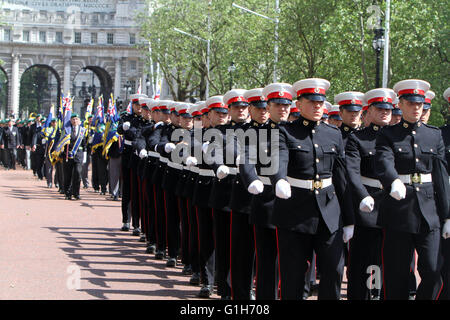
<point x="263" y="193"/>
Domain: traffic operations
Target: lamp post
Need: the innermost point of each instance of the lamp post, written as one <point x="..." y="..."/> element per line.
<point x="231" y="69"/>
<point x="378" y="45"/>
<point x="276" y="21"/>
<point x="127" y="89"/>
<point x="148" y="83"/>
<point x="208" y="45"/>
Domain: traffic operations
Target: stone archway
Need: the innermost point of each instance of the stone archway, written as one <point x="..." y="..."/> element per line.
<point x="40" y="87"/>
<point x="3" y="93"/>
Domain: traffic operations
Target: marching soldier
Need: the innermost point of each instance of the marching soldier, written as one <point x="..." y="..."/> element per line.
<point x="445" y="295"/>
<point x="257" y="183"/>
<point x="350" y="112"/>
<point x="73" y="159"/>
<point x="294" y="113"/>
<point x="367" y="191"/>
<point x="410" y="164"/>
<point x="129" y="127"/>
<point x="90" y="132"/>
<point x="11" y="142"/>
<point x="396" y="113"/>
<point x="429" y="95"/>
<point x="310" y="186"/>
<point x="334" y="117"/>
<point x="50" y="136"/>
<point x="37" y="149"/>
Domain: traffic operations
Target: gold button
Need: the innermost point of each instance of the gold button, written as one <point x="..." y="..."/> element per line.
<point x="346" y="128"/>
<point x="375" y="128"/>
<point x="405" y="125"/>
<point x="305" y="123"/>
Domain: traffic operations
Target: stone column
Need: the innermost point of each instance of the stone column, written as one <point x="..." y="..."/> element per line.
<point x="66" y="82"/>
<point x="15" y="85"/>
<point x="118" y="78"/>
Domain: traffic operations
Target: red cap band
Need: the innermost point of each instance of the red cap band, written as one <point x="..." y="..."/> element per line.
<point x="354" y="101"/>
<point x="283" y="95"/>
<point x="218" y="105"/>
<point x="311" y="90"/>
<point x="236" y="99"/>
<point x="258" y="98"/>
<point x="411" y="91"/>
<point x="380" y="99"/>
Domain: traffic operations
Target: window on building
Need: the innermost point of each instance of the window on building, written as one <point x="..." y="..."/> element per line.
<point x="42" y="36"/>
<point x="132" y="65"/>
<point x="59" y="37"/>
<point x="77" y="37"/>
<point x="110" y="38"/>
<point x="26" y="36"/>
<point x="93" y="38"/>
<point x="132" y="38"/>
<point x="6" y="35"/>
<point x="133" y="86"/>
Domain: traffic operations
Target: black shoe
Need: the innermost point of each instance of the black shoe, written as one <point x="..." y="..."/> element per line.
<point x="150" y="249"/>
<point x="195" y="279"/>
<point x="77" y="198"/>
<point x="102" y="193"/>
<point x="172" y="262"/>
<point x="136" y="232"/>
<point x="96" y="191"/>
<point x="206" y="291"/>
<point x="49" y="185"/>
<point x="68" y="197"/>
<point x="115" y="198"/>
<point x="142" y="238"/>
<point x="159" y="255"/>
<point x="56" y="185"/>
<point x="125" y="227"/>
<point x="225" y="298"/>
<point x="187" y="270"/>
<point x="61" y="191"/>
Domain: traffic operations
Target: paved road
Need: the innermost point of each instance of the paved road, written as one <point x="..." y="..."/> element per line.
<point x="51" y="248"/>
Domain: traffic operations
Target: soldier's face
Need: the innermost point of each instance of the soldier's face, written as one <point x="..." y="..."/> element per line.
<point x="309" y="109"/>
<point x="335" y="122"/>
<point x="350" y="118"/>
<point x="412" y="111"/>
<point x="137" y="108"/>
<point x="53" y="124"/>
<point x="187" y="123"/>
<point x="379" y="116"/>
<point x="278" y="112"/>
<point x="259" y="115"/>
<point x="156" y="116"/>
<point x="75" y="121"/>
<point x="217" y="118"/>
<point x="292" y="117"/>
<point x="396" y="118"/>
<point x="205" y="120"/>
<point x="239" y="113"/>
<point x="425" y="115"/>
<point x="164" y="117"/>
<point x="146" y="114"/>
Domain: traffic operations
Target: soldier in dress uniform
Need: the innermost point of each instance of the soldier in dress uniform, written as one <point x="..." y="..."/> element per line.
<point x="294" y="113"/>
<point x="220" y="194"/>
<point x="51" y="137"/>
<point x="367" y="191"/>
<point x="11" y="143"/>
<point x="310" y="186"/>
<point x="445" y="130"/>
<point x="37" y="148"/>
<point x="410" y="164"/>
<point x="242" y="247"/>
<point x="334" y="118"/>
<point x="255" y="177"/>
<point x="99" y="163"/>
<point x="73" y="159"/>
<point x="350" y="112"/>
<point x="129" y="127"/>
<point x="325" y="111"/>
<point x="200" y="197"/>
<point x="90" y="131"/>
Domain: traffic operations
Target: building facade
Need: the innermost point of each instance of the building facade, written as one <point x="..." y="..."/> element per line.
<point x="74" y="40"/>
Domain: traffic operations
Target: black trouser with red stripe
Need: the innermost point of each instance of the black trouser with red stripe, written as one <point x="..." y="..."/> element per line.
<point x="160" y="219"/>
<point x="266" y="263"/>
<point x="242" y="254"/>
<point x="193" y="237"/>
<point x="397" y="250"/>
<point x="365" y="251"/>
<point x="222" y="234"/>
<point x="134" y="197"/>
<point x="206" y="245"/>
<point x="296" y="248"/>
<point x="172" y="224"/>
<point x="149" y="211"/>
<point x="184" y="219"/>
<point x="126" y="191"/>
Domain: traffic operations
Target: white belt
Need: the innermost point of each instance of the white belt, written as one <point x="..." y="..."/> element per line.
<point x="175" y="165"/>
<point x="153" y="154"/>
<point x="415" y="178"/>
<point x="193" y="169"/>
<point x="128" y="142"/>
<point x="374" y="183"/>
<point x="206" y="172"/>
<point x="265" y="180"/>
<point x="233" y="170"/>
<point x="162" y="159"/>
<point x="310" y="184"/>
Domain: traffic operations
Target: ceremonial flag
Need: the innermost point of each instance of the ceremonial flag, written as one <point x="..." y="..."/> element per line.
<point x="158" y="90"/>
<point x="67" y="107"/>
<point x="129" y="108"/>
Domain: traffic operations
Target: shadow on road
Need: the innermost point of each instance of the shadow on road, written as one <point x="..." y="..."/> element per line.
<point x="116" y="262"/>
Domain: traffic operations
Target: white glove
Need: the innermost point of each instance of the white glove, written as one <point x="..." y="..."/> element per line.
<point x="398" y="190"/>
<point x="205" y="147"/>
<point x="126" y="126"/>
<point x="169" y="147"/>
<point x="44" y="141"/>
<point x="348" y="233"/>
<point x="91" y="139"/>
<point x="283" y="189"/>
<point x="446" y="229"/>
<point x="367" y="204"/>
<point x="256" y="187"/>
<point x="191" y="161"/>
<point x="143" y="154"/>
<point x="222" y="172"/>
<point x="158" y="124"/>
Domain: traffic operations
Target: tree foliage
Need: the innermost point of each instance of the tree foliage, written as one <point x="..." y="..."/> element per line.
<point x="330" y="39"/>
